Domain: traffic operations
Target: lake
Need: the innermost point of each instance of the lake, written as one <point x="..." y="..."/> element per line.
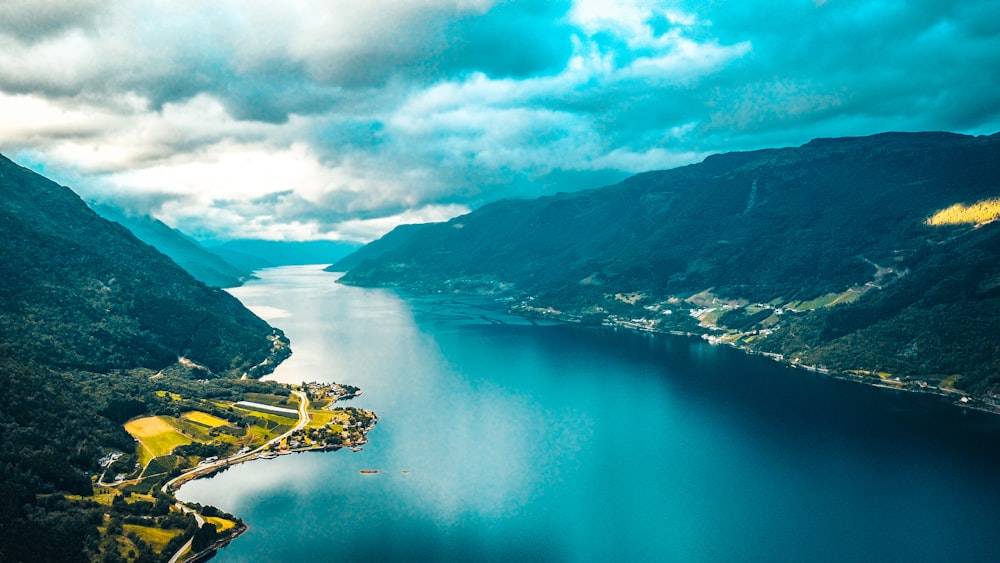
<point x="504" y="440"/>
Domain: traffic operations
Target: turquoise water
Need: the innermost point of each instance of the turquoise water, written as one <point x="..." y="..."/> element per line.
<point x="501" y="440"/>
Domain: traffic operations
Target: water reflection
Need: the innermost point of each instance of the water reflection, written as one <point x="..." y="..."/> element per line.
<point x="469" y="445"/>
<point x="539" y="443"/>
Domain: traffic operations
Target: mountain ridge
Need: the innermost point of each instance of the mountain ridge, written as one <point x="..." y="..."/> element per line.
<point x="201" y="263"/>
<point x="91" y="318"/>
<point x="819" y="254"/>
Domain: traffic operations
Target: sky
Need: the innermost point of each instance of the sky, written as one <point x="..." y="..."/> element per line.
<point x="341" y="119"/>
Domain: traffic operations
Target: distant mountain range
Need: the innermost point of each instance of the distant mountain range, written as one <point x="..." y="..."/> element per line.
<point x="228" y="264"/>
<point x="205" y="266"/>
<point x="873" y="258"/>
<point x="251" y="254"/>
<point x="89" y="317"/>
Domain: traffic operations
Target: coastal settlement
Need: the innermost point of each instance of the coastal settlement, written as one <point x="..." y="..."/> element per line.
<point x="207" y="426"/>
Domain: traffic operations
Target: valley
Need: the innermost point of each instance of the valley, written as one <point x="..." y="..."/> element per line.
<point x="652" y="280"/>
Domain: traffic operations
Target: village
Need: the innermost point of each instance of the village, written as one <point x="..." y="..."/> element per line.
<point x="207" y="436"/>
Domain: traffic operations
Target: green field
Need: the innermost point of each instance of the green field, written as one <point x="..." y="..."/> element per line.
<point x="198" y="432"/>
<point x="829" y="300"/>
<point x="157" y="538"/>
<point x="821" y="301"/>
<point x="321" y="417"/>
<point x="204" y="419"/>
<point x="156" y="436"/>
<point x="160" y="465"/>
<point x="221" y="524"/>
<point x="273" y="400"/>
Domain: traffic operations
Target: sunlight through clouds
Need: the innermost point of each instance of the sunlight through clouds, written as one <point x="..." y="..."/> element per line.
<point x="342" y="119"/>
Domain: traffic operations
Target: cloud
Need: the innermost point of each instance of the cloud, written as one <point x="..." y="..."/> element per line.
<point x="341" y="119"/>
<point x="29" y="21"/>
<point x="366" y="229"/>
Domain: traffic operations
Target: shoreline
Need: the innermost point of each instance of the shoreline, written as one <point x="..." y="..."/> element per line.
<point x="263" y="452"/>
<point x="954" y="398"/>
<point x="962" y="400"/>
<point x="210" y="551"/>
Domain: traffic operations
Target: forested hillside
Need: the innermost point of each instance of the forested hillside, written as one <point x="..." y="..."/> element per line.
<point x="203" y="265"/>
<point x="823" y="254"/>
<point x="88" y="314"/>
<point x="391" y="242"/>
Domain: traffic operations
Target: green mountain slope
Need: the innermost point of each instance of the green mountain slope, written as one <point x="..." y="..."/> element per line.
<point x="203" y="265"/>
<point x="89" y="316"/>
<point x="392" y="241"/>
<point x="821" y="254"/>
<point x="81" y="292"/>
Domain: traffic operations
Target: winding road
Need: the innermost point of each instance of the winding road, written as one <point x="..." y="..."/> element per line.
<point x="207" y="468"/>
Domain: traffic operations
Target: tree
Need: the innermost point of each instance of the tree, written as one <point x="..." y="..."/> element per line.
<point x="204" y="537"/>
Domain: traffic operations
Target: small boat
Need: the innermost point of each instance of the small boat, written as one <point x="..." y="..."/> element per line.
<point x="368" y="471"/>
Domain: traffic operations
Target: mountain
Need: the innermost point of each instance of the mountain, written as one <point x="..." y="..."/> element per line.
<point x="89" y="317"/>
<point x="392" y="241"/>
<point x="251" y="254"/>
<point x="822" y="255"/>
<point x="205" y="266"/>
<point x="82" y="292"/>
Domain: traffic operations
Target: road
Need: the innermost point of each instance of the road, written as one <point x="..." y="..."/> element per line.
<point x="210" y="467"/>
<point x="187" y="545"/>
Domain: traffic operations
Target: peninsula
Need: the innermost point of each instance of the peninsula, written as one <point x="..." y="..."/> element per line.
<point x="204" y="436"/>
<point x="123" y="374"/>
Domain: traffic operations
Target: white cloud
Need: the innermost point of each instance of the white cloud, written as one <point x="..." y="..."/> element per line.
<point x="28" y="119"/>
<point x="626" y="19"/>
<point x="368" y="229"/>
<point x="139" y="106"/>
<point x="343" y="119"/>
<point x="632" y="21"/>
<point x="687" y="60"/>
